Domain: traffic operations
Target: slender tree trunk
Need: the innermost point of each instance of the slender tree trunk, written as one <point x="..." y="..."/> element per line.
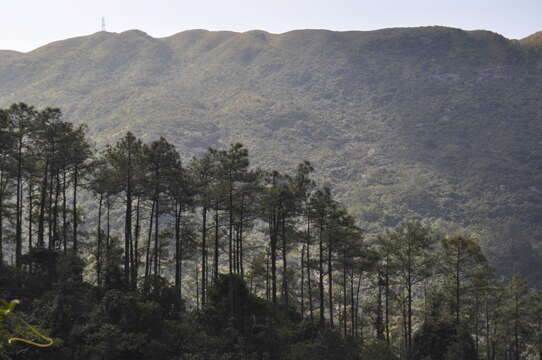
<point x="128" y="224"/>
<point x="99" y="244"/>
<point x="156" y="235"/>
<point x="30" y="210"/>
<point x="405" y="322"/>
<point x="64" y="213"/>
<point x="358" y="322"/>
<point x="1" y="222"/>
<point x="379" y="310"/>
<point x="273" y="233"/>
<point x="3" y="188"/>
<point x="409" y="300"/>
<point x="203" y="253"/>
<point x="284" y="259"/>
<point x="457" y="286"/>
<point x="345" y="295"/>
<point x="197" y="286"/>
<point x="321" y="271"/>
<point x="236" y="268"/>
<point x="135" y="254"/>
<point x="303" y="281"/>
<point x="330" y="279"/>
<point x="75" y="220"/>
<point x="409" y="318"/>
<point x="241" y="255"/>
<point x="56" y="239"/>
<point x="267" y="283"/>
<point x="539" y="340"/>
<point x="309" y="284"/>
<point x="387" y="299"/>
<point x="181" y="250"/>
<point x="41" y="218"/>
<point x="216" y="257"/>
<point x="177" y="246"/>
<point x="50" y="210"/>
<point x="477" y="323"/>
<point x="352" y="313"/>
<point x="230" y="232"/>
<point x="18" y="207"/>
<point x="108" y="237"/>
<point x="148" y="250"/>
<point x="516" y="327"/>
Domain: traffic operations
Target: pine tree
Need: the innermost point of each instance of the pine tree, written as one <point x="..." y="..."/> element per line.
<point x="125" y="158"/>
<point x="461" y="256"/>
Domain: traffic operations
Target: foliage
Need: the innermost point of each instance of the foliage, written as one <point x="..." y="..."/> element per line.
<point x="180" y="283"/>
<point x="429" y="122"/>
<point x="441" y="340"/>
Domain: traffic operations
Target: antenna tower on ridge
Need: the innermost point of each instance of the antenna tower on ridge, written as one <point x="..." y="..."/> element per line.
<point x="103" y="24"/>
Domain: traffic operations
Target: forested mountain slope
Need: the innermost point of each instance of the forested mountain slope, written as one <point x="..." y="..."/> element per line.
<point x="433" y="122"/>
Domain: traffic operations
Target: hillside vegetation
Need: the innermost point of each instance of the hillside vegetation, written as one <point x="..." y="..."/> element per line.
<point x="433" y="122"/>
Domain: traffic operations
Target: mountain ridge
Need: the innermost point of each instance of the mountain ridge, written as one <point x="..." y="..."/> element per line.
<point x="530" y="37"/>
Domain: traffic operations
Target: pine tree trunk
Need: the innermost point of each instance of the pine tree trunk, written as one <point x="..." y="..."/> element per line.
<point x="64" y="214"/>
<point x="177" y="246"/>
<point x="409" y="300"/>
<point x="321" y="271"/>
<point x="284" y="259"/>
<point x="303" y="281"/>
<point x="267" y="283"/>
<point x="99" y="244"/>
<point x="135" y="254"/>
<point x="330" y="279"/>
<point x="203" y="253"/>
<point x="156" y="236"/>
<point x="181" y="250"/>
<point x="379" y="310"/>
<point x="149" y="239"/>
<point x="516" y="327"/>
<point x="273" y="233"/>
<point x="50" y="210"/>
<point x="56" y="239"/>
<point x="216" y="257"/>
<point x="108" y="236"/>
<point x="3" y="185"/>
<point x="241" y="255"/>
<point x="457" y="287"/>
<point x="230" y="232"/>
<point x="18" y="206"/>
<point x="30" y="215"/>
<point x="41" y="218"/>
<point x="387" y="300"/>
<point x="352" y="314"/>
<point x="358" y="323"/>
<point x="309" y="284"/>
<point x="1" y="222"/>
<point x="197" y="286"/>
<point x="345" y="295"/>
<point x="128" y="224"/>
<point x="75" y="220"/>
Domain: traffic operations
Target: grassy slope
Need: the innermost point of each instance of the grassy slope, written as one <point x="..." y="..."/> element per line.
<point x="433" y="122"/>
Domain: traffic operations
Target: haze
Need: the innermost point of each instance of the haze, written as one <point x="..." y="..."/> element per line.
<point x="27" y="25"/>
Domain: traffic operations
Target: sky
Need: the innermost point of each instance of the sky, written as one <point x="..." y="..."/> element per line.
<point x="28" y="24"/>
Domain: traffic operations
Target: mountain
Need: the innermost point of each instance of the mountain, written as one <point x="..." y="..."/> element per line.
<point x="405" y="123"/>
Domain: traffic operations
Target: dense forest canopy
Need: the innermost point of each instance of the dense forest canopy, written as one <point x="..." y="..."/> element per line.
<point x="131" y="253"/>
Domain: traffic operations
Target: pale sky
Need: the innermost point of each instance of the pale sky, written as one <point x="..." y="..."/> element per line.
<point x="28" y="24"/>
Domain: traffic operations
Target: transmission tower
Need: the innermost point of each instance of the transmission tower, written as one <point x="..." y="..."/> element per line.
<point x="103" y="24"/>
